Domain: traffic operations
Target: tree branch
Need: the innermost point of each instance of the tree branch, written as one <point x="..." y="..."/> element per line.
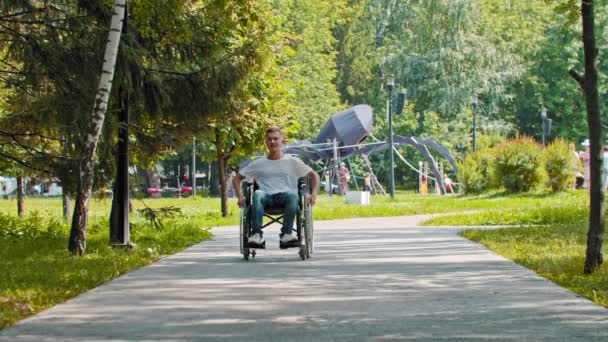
<point x="576" y="77"/>
<point x="22" y="163"/>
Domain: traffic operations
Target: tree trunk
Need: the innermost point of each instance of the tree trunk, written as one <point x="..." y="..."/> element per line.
<point x="121" y="201"/>
<point x="221" y="168"/>
<point x="20" y="210"/>
<point x="77" y="242"/>
<point x="589" y="84"/>
<point x="66" y="203"/>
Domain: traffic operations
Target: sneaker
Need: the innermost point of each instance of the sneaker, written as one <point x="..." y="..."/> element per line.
<point x="256" y="239"/>
<point x="288" y="238"/>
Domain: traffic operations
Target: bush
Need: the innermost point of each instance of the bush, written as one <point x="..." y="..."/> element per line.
<point x="474" y="171"/>
<point x="33" y="226"/>
<point x="560" y="165"/>
<point x="517" y="164"/>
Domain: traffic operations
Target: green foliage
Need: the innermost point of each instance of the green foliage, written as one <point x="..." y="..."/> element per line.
<point x="33" y="226"/>
<point x="546" y="79"/>
<point x="475" y="171"/>
<point x="517" y="165"/>
<point x="307" y="60"/>
<point x="490" y="140"/>
<point x="156" y="216"/>
<point x="560" y="165"/>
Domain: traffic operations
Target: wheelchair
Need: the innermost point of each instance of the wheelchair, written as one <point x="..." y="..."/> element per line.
<point x="304" y="222"/>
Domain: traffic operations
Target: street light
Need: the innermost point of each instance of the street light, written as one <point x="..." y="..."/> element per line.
<point x="543" y="116"/>
<point x="390" y="83"/>
<point x="546" y="123"/>
<point x="474" y="102"/>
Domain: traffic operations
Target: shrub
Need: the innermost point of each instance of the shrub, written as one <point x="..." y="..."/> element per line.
<point x="560" y="165"/>
<point x="474" y="171"/>
<point x="32" y="226"/>
<point x="517" y="164"/>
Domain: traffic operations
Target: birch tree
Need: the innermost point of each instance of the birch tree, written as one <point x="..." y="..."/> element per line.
<point x="77" y="242"/>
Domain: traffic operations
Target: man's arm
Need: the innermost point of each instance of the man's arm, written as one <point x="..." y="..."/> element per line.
<point x="236" y="185"/>
<point x="315" y="181"/>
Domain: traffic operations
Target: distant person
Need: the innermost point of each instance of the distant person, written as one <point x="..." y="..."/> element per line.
<point x="577" y="167"/>
<point x="327" y="179"/>
<point x="367" y="182"/>
<point x="586" y="158"/>
<point x="448" y="184"/>
<point x="344" y="175"/>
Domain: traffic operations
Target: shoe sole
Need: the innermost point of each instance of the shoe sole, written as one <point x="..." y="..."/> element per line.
<point x="290" y="244"/>
<point x="256" y="245"/>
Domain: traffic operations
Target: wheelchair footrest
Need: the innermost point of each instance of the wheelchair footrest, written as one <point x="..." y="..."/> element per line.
<point x="257" y="246"/>
<point x="292" y="244"/>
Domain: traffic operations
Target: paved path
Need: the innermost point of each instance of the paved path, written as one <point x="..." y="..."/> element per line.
<point x="380" y="279"/>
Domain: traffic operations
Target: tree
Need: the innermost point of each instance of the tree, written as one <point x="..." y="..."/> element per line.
<point x="307" y="59"/>
<point x="589" y="85"/>
<point x="77" y="242"/>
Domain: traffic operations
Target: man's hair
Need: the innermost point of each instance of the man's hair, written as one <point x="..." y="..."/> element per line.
<point x="274" y="129"/>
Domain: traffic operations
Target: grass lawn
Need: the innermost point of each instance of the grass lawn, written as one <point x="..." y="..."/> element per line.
<point x="557" y="252"/>
<point x="552" y="244"/>
<point x="38" y="272"/>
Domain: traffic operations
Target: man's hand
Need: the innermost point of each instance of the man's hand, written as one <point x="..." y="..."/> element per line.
<point x="236" y="185"/>
<point x="315" y="181"/>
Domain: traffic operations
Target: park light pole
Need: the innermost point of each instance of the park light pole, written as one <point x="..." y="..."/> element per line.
<point x="474" y="102"/>
<point x="194" y="167"/>
<point x="390" y="83"/>
<point x="543" y="116"/>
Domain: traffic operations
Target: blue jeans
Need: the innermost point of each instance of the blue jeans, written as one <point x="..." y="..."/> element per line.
<point x="287" y="200"/>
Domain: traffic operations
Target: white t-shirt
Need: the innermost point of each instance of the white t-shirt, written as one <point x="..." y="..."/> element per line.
<point x="274" y="176"/>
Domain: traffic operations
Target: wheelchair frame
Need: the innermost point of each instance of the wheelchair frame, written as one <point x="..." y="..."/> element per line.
<point x="304" y="221"/>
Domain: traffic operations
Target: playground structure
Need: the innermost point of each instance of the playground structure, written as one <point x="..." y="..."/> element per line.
<point x="345" y="135"/>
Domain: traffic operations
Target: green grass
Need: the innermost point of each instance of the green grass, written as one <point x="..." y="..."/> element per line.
<point x="413" y="204"/>
<point x="38" y="272"/>
<point x="556" y="252"/>
<point x="552" y="243"/>
<point x="551" y="215"/>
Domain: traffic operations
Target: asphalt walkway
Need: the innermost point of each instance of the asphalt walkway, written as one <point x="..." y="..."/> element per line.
<point x="376" y="279"/>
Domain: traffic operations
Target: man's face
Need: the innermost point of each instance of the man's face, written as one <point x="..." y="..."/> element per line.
<point x="274" y="141"/>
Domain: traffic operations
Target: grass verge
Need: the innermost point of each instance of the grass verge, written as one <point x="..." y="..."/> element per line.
<point x="552" y="245"/>
<point x="38" y="272"/>
<point x="556" y="252"/>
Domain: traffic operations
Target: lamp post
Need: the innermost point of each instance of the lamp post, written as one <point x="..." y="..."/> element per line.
<point x="390" y="83"/>
<point x="474" y="102"/>
<point x="543" y="116"/>
<point x="194" y="167"/>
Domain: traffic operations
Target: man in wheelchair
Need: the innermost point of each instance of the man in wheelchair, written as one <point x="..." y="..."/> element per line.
<point x="277" y="178"/>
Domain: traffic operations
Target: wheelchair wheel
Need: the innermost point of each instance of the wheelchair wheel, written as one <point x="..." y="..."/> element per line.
<point x="245" y="222"/>
<point x="242" y="233"/>
<point x="308" y="229"/>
